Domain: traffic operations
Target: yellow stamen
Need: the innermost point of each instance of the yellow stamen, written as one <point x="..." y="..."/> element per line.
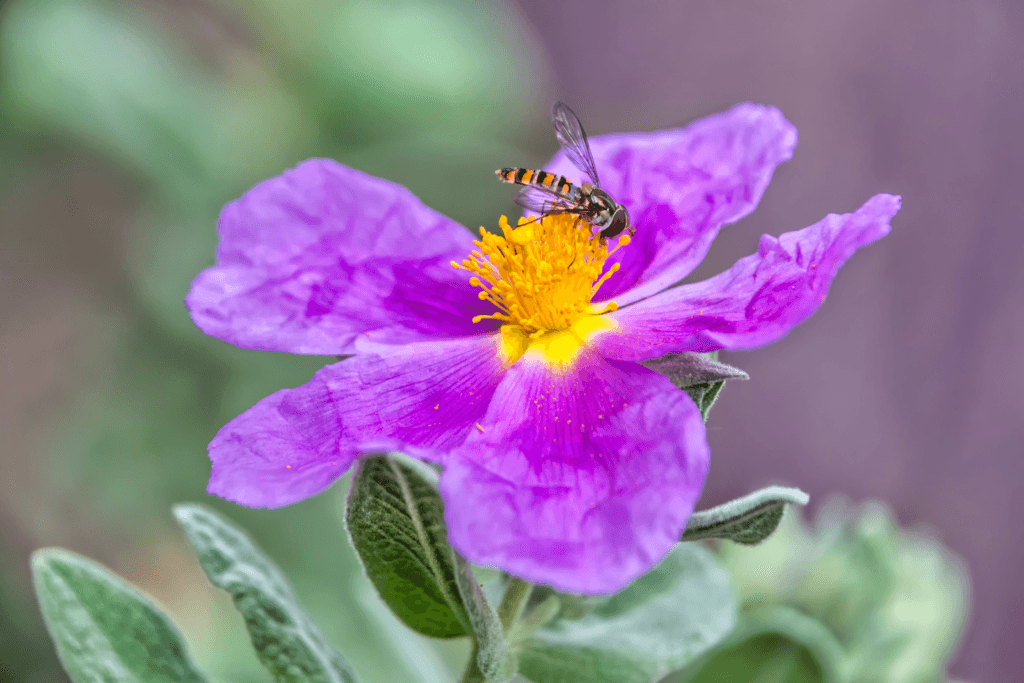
<point x="542" y="276"/>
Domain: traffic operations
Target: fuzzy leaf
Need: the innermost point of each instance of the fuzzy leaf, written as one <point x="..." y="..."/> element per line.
<point x="104" y="629"/>
<point x="705" y="395"/>
<point x="287" y="641"/>
<point x="747" y="520"/>
<point x="777" y="643"/>
<point x="700" y="375"/>
<point x="660" y="623"/>
<point x="491" y="650"/>
<point x="688" y="369"/>
<point x="396" y="521"/>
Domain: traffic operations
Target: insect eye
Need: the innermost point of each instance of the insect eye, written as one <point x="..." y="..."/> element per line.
<point x="618" y="223"/>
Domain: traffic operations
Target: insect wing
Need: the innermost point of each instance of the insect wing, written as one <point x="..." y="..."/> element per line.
<point x="542" y="200"/>
<point x="573" y="140"/>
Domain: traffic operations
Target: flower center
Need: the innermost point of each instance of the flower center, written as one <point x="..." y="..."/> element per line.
<point x="541" y="275"/>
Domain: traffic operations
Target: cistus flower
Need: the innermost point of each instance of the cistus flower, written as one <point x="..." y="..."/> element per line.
<point x="513" y="361"/>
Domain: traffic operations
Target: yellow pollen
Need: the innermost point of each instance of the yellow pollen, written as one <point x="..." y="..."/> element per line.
<point x="541" y="275"/>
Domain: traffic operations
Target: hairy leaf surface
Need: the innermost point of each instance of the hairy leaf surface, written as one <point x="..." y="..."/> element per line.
<point x="747" y="520"/>
<point x="396" y="520"/>
<point x="104" y="629"/>
<point x="287" y="641"/>
<point x="660" y="623"/>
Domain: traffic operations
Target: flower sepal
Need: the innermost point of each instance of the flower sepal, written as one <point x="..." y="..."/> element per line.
<point x="701" y="375"/>
<point x="704" y="395"/>
<point x="688" y="368"/>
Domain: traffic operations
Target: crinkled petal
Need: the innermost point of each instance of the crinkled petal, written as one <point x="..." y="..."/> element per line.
<point x="582" y="480"/>
<point x="758" y="300"/>
<point x="322" y="253"/>
<point x="420" y="398"/>
<point x="681" y="186"/>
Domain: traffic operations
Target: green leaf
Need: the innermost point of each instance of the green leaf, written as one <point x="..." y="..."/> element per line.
<point x="747" y="520"/>
<point x="396" y="520"/>
<point x="775" y="643"/>
<point x="765" y="657"/>
<point x="287" y="641"/>
<point x="700" y="375"/>
<point x="705" y="395"/>
<point x="660" y="623"/>
<point x="490" y="653"/>
<point x="104" y="629"/>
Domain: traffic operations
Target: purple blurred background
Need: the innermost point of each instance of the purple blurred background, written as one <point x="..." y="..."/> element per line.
<point x="908" y="385"/>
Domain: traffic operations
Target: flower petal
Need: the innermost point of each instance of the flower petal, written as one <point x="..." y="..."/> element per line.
<point x="582" y="480"/>
<point x="758" y="300"/>
<point x="681" y="186"/>
<point x="419" y="398"/>
<point x="322" y="253"/>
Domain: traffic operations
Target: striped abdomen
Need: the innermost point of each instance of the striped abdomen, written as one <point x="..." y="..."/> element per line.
<point x="549" y="181"/>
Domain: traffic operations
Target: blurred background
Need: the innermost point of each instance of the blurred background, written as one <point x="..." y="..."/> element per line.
<point x="125" y="126"/>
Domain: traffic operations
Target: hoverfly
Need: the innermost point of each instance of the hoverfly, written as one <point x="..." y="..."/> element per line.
<point x="549" y="193"/>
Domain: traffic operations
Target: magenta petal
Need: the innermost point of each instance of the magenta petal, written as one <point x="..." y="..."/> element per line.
<point x="681" y="186"/>
<point x="419" y="398"/>
<point x="580" y="480"/>
<point x="322" y="253"/>
<point x="758" y="300"/>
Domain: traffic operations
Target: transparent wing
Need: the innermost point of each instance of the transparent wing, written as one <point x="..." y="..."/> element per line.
<point x="542" y="200"/>
<point x="573" y="140"/>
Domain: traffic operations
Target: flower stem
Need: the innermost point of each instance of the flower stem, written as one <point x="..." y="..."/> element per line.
<point x="473" y="673"/>
<point x="514" y="602"/>
<point x="511" y="608"/>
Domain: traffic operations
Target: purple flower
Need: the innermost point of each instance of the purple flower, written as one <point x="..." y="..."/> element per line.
<point x="566" y="462"/>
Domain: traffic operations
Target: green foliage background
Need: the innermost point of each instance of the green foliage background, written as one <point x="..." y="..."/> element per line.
<point x="126" y="126"/>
